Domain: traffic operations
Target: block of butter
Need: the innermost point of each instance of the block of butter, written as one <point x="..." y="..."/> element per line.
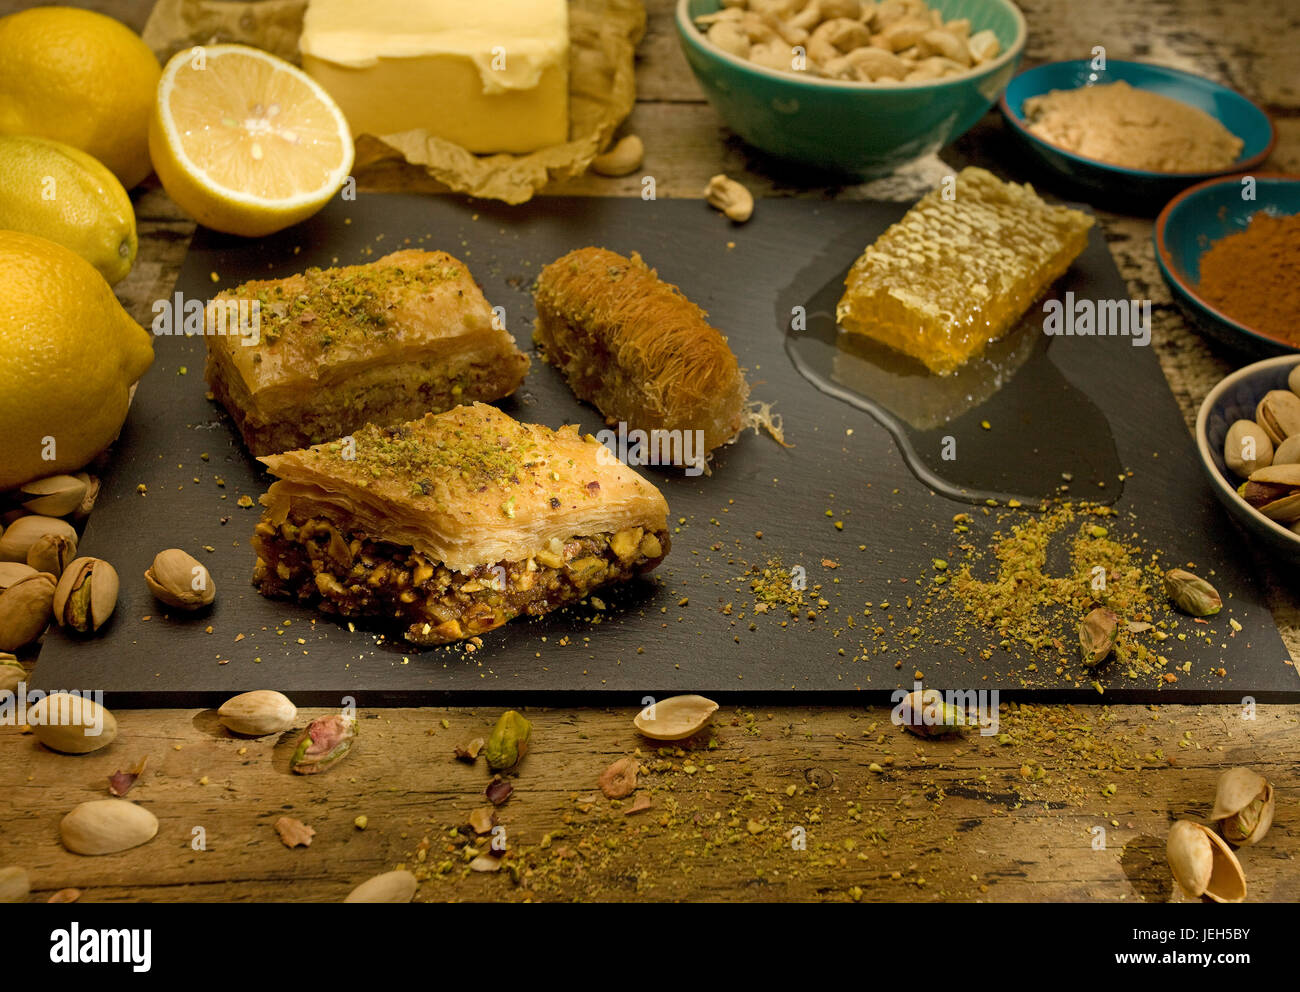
<point x="489" y="75"/>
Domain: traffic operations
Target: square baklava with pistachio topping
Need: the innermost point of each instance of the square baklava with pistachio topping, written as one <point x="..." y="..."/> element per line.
<point x="454" y="524"/>
<point x="335" y="349"/>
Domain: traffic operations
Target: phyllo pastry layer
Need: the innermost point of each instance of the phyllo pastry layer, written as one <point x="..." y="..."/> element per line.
<point x="380" y="343"/>
<point x="454" y="524"/>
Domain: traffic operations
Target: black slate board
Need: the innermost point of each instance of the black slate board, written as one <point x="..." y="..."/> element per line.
<point x="644" y="641"/>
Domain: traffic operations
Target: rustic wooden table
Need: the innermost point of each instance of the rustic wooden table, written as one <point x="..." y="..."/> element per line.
<point x="789" y="802"/>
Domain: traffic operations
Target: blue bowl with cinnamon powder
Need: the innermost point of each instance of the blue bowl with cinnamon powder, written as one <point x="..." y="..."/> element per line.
<point x="1198" y="217"/>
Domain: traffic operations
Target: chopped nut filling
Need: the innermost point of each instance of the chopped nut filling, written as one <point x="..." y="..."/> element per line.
<point x="354" y="576"/>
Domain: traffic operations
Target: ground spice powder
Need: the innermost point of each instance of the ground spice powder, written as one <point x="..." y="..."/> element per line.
<point x="1254" y="276"/>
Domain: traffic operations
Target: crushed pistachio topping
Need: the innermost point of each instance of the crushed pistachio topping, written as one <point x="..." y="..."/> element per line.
<point x="338" y="305"/>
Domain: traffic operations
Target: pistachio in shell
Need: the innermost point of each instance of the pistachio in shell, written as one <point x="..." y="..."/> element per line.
<point x="1247" y="447"/>
<point x="52" y="553"/>
<point x="1243" y="806"/>
<point x="675" y="718"/>
<point x="71" y="724"/>
<point x="324" y="744"/>
<point x="13" y="571"/>
<point x="1287" y="453"/>
<point x="15" y="884"/>
<point x="26" y="608"/>
<point x="508" y="742"/>
<point x="1097" y="635"/>
<point x="12" y="672"/>
<point x="89" y="498"/>
<point x="106" y="826"/>
<point x="1203" y="864"/>
<point x="86" y="595"/>
<point x="258" y="713"/>
<point x="53" y="496"/>
<point x="391" y="886"/>
<point x="178" y="579"/>
<point x="1192" y="594"/>
<point x="1278" y="413"/>
<point x="924" y="713"/>
<point x="25" y="531"/>
<point x="1293" y="380"/>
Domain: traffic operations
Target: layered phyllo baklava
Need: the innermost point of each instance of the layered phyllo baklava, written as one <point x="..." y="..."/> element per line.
<point x="454" y="524"/>
<point x="331" y="350"/>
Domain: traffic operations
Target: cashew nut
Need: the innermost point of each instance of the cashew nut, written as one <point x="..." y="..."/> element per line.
<point x="940" y="42"/>
<point x="872" y="64"/>
<point x="730" y="197"/>
<point x="877" y="41"/>
<point x="983" y="46"/>
<point x="757" y="27"/>
<point x="832" y="39"/>
<point x="624" y="158"/>
<point x="773" y="55"/>
<point x="833" y="9"/>
<point x="813" y="13"/>
<point x="730" y="37"/>
<point x="934" y="67"/>
<point x="905" y="33"/>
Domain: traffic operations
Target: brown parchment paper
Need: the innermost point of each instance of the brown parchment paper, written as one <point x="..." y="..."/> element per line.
<point x="603" y="36"/>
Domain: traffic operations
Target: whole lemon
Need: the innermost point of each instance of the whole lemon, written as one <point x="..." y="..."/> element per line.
<point x="69" y="355"/>
<point x="61" y="193"/>
<point x="81" y="78"/>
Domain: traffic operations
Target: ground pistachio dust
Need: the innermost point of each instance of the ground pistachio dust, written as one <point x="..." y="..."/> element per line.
<point x="1042" y="573"/>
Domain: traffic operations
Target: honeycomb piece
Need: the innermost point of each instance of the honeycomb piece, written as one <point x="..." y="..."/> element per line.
<point x="955" y="274"/>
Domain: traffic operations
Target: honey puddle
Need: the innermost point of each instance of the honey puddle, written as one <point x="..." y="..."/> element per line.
<point x="1045" y="438"/>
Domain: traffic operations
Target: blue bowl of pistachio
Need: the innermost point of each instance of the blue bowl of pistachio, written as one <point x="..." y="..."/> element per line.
<point x="847" y="87"/>
<point x="1248" y="437"/>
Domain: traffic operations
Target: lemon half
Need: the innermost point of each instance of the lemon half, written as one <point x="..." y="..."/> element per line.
<point x="245" y="142"/>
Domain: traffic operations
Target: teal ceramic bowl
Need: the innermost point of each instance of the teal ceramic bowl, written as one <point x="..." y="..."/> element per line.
<point x="1233" y="399"/>
<point x="1247" y="121"/>
<point x="1193" y="221"/>
<point x="857" y="130"/>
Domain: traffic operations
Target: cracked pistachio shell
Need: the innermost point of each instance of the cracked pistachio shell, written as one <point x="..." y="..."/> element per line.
<point x="23" y="533"/>
<point x="52" y="553"/>
<point x="72" y="724"/>
<point x="675" y="718"/>
<point x="1278" y="413"/>
<point x="508" y="742"/>
<point x="1243" y="806"/>
<point x="86" y="595"/>
<point x="26" y="608"/>
<point x="178" y="579"/>
<point x="1203" y="864"/>
<point x="12" y="572"/>
<point x="258" y="713"/>
<point x="54" y="496"/>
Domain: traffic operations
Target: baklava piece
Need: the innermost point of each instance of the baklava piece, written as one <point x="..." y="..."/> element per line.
<point x="335" y="349"/>
<point x="454" y="524"/>
<point x="960" y="269"/>
<point x="636" y="348"/>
